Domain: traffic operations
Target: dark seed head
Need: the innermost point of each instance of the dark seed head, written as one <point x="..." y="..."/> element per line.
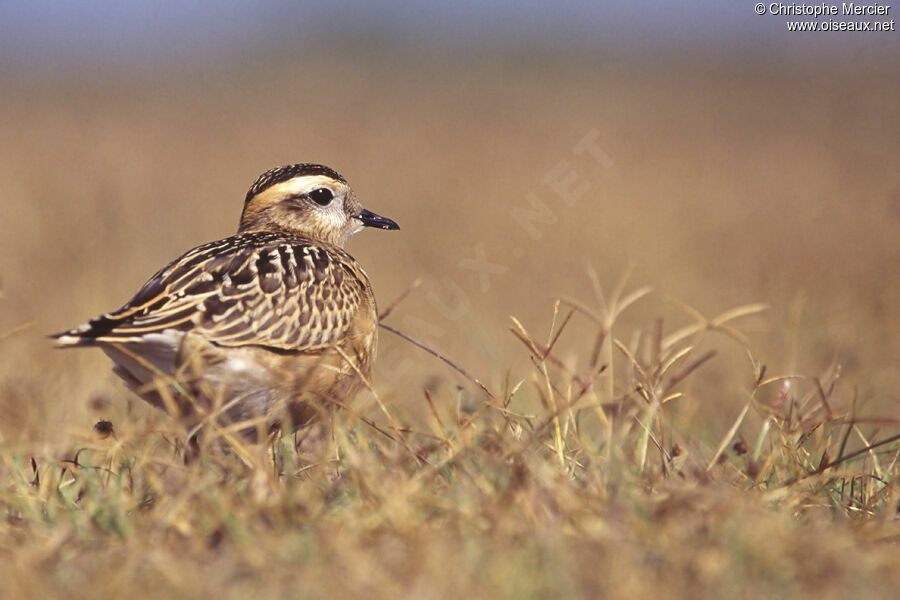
<point x="103" y="428"/>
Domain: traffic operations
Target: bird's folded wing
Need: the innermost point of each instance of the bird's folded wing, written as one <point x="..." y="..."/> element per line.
<point x="259" y="289"/>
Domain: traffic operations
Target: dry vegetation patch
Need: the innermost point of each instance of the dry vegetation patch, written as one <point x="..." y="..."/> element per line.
<point x="580" y="478"/>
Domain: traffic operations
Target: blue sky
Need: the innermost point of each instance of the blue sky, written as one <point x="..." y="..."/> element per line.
<point x="57" y="31"/>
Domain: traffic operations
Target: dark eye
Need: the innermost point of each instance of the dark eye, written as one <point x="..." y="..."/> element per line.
<point x="321" y="196"/>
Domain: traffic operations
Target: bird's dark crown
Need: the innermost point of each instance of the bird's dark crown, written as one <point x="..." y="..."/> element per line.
<point x="281" y="174"/>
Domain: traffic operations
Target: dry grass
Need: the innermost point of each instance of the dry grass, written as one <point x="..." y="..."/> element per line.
<point x="630" y="442"/>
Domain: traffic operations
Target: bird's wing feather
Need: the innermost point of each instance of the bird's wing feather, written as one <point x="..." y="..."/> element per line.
<point x="261" y="288"/>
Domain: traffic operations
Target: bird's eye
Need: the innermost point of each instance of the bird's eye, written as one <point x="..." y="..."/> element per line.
<point x="321" y="196"/>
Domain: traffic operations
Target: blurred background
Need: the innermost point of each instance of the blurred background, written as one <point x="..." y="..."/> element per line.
<point x="705" y="151"/>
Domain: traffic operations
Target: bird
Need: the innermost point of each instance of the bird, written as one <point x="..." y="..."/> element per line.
<point x="277" y="320"/>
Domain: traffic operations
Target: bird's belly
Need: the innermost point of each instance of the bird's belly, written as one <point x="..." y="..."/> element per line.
<point x="197" y="381"/>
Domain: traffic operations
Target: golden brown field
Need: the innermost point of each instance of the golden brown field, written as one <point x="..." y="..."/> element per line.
<point x="606" y="467"/>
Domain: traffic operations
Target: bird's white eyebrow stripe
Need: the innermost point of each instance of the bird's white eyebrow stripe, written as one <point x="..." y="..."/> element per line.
<point x="300" y="186"/>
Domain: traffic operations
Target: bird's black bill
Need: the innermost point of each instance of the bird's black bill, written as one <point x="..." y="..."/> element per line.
<point x="370" y="219"/>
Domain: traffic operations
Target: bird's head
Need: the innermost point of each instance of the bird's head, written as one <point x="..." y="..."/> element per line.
<point x="308" y="200"/>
